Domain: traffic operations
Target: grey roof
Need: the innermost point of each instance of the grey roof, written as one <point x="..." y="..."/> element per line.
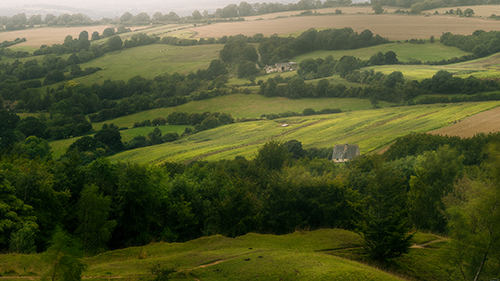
<point x="345" y="151"/>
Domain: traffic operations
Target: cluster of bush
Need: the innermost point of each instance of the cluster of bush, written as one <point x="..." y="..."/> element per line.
<point x="200" y="121"/>
<point x="6" y="43"/>
<point x="480" y="42"/>
<point x="153" y="138"/>
<point x="305" y="112"/>
<point x="278" y="49"/>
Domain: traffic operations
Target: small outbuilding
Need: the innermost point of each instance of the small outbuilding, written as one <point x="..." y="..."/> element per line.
<point x="345" y="152"/>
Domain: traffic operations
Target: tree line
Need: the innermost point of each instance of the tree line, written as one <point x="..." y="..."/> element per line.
<point x="417" y="6"/>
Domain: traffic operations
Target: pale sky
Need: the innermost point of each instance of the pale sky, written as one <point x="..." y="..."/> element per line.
<point x="111" y="8"/>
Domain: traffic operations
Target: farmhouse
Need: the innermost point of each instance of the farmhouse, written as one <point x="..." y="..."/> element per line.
<point x="344" y="152"/>
<point x="282" y="67"/>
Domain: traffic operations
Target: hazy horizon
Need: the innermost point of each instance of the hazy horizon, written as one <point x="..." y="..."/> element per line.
<point x="113" y="8"/>
<point x="97" y="10"/>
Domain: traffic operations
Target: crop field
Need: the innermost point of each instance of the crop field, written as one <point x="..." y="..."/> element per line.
<point x="36" y="37"/>
<point x="370" y="129"/>
<point x="483" y="122"/>
<point x="302" y="255"/>
<point x="404" y="51"/>
<point x="394" y="27"/>
<point x="150" y="61"/>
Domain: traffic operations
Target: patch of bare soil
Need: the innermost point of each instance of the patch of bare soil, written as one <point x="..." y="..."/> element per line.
<point x="35" y="37"/>
<point x="484" y="122"/>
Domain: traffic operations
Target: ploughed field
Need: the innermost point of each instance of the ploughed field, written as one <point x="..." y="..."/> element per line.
<point x="394" y="27"/>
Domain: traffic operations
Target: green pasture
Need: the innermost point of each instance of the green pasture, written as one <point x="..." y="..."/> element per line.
<point x="303" y="255"/>
<point x="59" y="147"/>
<point x="371" y="129"/>
<point x="404" y="52"/>
<point x="150" y="61"/>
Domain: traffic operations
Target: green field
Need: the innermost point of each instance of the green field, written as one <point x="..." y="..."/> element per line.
<point x="303" y="255"/>
<point x="244" y="106"/>
<point x="371" y="129"/>
<point x="150" y="61"/>
<point x="404" y="51"/>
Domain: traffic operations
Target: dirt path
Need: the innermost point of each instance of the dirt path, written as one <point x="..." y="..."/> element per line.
<point x="252" y="143"/>
<point x="424" y="245"/>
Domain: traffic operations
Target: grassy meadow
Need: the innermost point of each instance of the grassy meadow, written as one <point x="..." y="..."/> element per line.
<point x="150" y="61"/>
<point x="303" y="255"/>
<point x="371" y="129"/>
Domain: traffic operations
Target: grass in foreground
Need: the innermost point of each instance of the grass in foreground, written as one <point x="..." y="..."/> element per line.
<point x="304" y="255"/>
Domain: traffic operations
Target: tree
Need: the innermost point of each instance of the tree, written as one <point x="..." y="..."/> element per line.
<point x="390" y="57"/>
<point x="473" y="215"/>
<point x="155" y="136"/>
<point x="23" y="240"/>
<point x="247" y="68"/>
<point x="272" y="155"/>
<point x="114" y="43"/>
<point x="35" y="147"/>
<point x="294" y="147"/>
<point x="197" y="15"/>
<point x="108" y="32"/>
<point x="111" y="137"/>
<point x="64" y="258"/>
<point x="346" y="65"/>
<point x="384" y="224"/>
<point x="435" y="173"/>
<point x="94" y="229"/>
<point x="83" y="41"/>
<point x="216" y="68"/>
<point x="377" y="8"/>
<point x="468" y="12"/>
<point x="8" y="122"/>
<point x="13" y="212"/>
<point x="393" y="79"/>
<point x="125" y="17"/>
<point x="417" y="8"/>
<point x="95" y="36"/>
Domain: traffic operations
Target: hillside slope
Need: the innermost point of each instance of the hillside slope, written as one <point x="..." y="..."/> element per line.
<point x="370" y="129"/>
<point x="296" y="256"/>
